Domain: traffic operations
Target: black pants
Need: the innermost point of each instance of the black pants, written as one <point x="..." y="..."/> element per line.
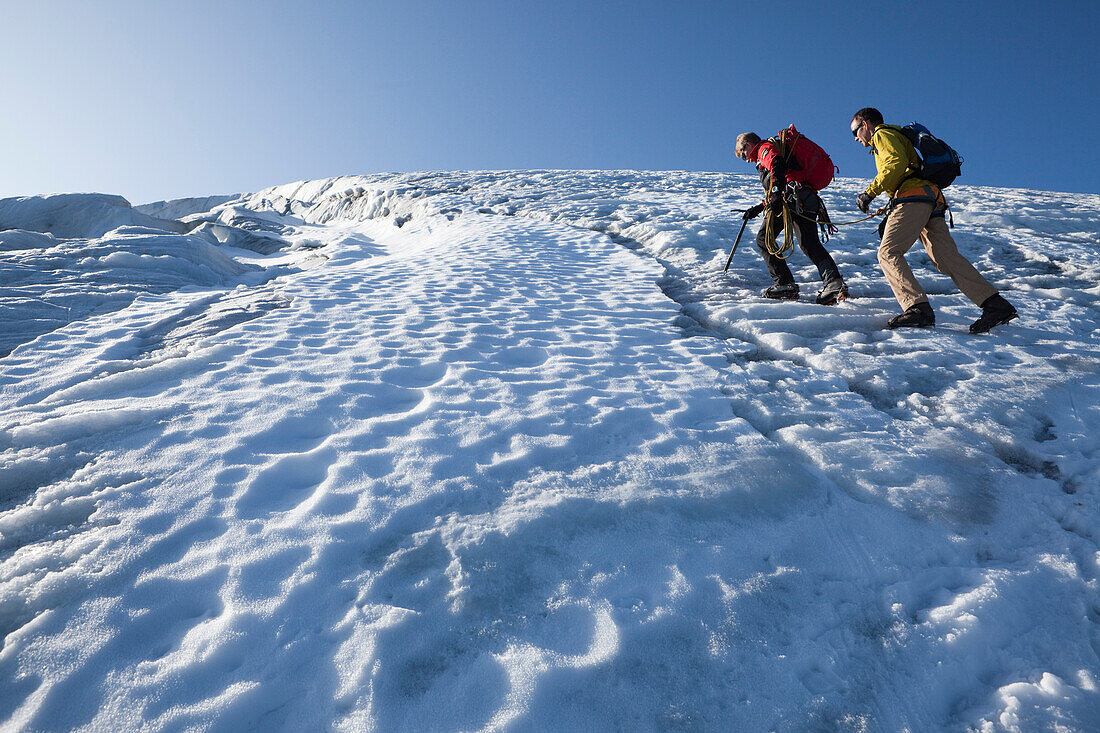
<point x="808" y="242"/>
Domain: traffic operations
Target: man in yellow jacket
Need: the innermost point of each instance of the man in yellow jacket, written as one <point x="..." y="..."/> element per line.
<point x="917" y="209"/>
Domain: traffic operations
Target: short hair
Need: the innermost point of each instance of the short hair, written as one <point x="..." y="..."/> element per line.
<point x="746" y="139"/>
<point x="870" y="114"/>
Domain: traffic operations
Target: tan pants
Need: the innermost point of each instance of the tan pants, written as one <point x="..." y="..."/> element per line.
<point x="904" y="224"/>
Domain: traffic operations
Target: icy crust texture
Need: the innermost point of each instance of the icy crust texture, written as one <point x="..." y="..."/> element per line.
<point x="180" y="208"/>
<point x="68" y="256"/>
<point x="507" y="450"/>
<point x="47" y="283"/>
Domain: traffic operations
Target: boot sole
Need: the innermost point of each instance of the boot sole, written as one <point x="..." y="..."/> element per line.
<point x="1000" y="322"/>
<point x="833" y="302"/>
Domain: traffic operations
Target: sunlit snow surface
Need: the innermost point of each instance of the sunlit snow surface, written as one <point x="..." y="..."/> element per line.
<point x="509" y="450"/>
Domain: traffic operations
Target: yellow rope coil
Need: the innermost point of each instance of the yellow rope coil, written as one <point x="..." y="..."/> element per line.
<point x="784" y="251"/>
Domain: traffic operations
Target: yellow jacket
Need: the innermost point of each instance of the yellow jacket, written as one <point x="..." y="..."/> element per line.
<point x="895" y="156"/>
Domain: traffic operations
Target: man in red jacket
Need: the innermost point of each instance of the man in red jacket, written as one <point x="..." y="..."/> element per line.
<point x="780" y="172"/>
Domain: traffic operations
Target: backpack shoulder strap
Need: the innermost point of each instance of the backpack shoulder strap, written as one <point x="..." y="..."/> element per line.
<point x="913" y="169"/>
<point x="895" y="129"/>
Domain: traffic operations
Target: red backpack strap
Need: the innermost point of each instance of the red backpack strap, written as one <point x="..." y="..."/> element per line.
<point x="789" y="143"/>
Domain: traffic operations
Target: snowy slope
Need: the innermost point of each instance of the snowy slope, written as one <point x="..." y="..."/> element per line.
<point x="509" y="450"/>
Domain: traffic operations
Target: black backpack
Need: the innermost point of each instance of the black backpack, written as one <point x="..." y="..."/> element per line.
<point x="940" y="164"/>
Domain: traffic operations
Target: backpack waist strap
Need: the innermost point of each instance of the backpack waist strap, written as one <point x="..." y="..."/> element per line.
<point x="930" y="194"/>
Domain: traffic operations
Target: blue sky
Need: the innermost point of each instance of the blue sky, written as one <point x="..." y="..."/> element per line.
<point x="159" y="100"/>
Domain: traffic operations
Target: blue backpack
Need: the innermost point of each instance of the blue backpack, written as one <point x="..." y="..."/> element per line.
<point x="940" y="164"/>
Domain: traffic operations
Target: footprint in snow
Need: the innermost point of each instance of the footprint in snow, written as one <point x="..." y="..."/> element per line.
<point x="286" y="483"/>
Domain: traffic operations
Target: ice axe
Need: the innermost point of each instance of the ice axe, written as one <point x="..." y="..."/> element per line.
<point x="735" y="243"/>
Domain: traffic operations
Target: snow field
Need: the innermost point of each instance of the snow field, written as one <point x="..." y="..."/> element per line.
<point x="529" y="460"/>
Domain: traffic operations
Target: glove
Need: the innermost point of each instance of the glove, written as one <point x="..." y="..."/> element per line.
<point x="863" y="201"/>
<point x="753" y="212"/>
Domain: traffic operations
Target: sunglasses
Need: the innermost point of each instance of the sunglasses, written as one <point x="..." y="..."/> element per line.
<point x="855" y="130"/>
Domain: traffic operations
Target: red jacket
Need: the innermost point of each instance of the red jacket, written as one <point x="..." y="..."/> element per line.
<point x="806" y="163"/>
<point x="766" y="156"/>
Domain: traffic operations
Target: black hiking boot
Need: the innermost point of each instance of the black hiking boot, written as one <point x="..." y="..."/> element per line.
<point x="995" y="311"/>
<point x="788" y="291"/>
<point x="915" y="316"/>
<point x="834" y="291"/>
